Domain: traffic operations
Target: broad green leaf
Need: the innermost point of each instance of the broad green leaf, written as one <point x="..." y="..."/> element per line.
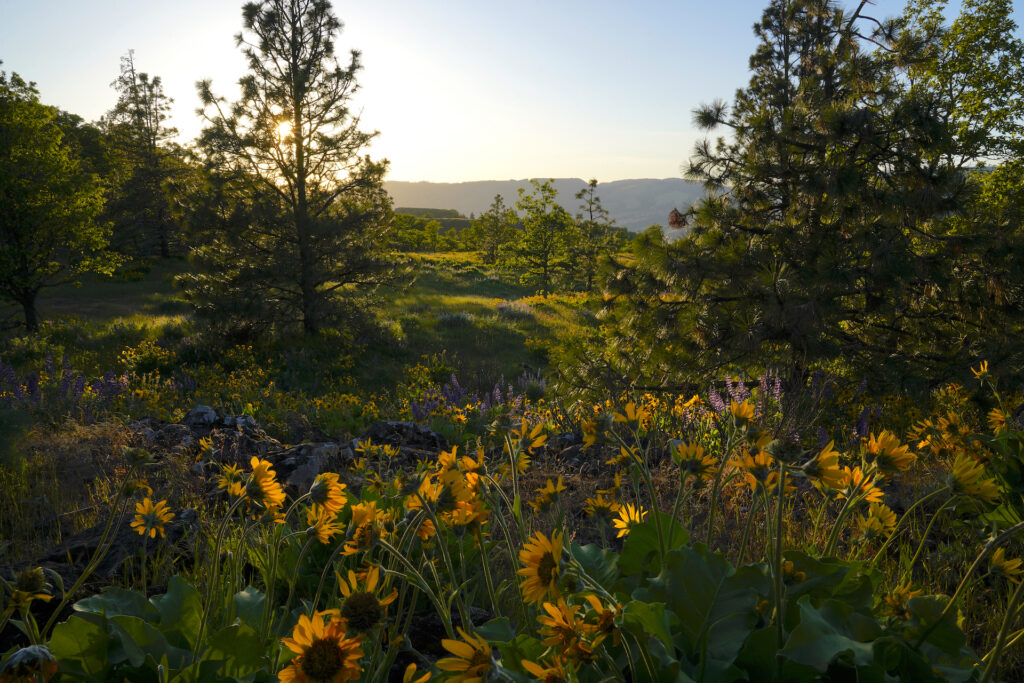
<point x="114" y="601"/>
<point x="833" y="631"/>
<point x="497" y="630"/>
<point x="181" y="613"/>
<point x="80" y="644"/>
<point x="249" y="604"/>
<point x="239" y="648"/>
<point x="599" y="564"/>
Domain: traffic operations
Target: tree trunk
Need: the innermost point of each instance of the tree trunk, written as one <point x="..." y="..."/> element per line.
<point x="28" y="305"/>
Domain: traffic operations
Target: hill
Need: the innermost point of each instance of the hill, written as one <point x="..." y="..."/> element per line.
<point x="634" y="204"/>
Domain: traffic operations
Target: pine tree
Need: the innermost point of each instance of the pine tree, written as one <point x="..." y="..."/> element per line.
<point x="592" y="237"/>
<point x="138" y="202"/>
<point x="48" y="207"/>
<point x="301" y="216"/>
<point x="495" y="228"/>
<point x="808" y="247"/>
<point x="539" y="249"/>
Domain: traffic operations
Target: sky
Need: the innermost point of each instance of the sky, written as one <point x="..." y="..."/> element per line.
<point x="459" y="90"/>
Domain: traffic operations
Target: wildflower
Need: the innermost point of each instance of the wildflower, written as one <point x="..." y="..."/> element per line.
<point x="880" y="521"/>
<point x="997" y="420"/>
<point x="625" y="456"/>
<point x="1009" y="569"/>
<point x="693" y="462"/>
<point x="589" y="428"/>
<point x="542" y="557"/>
<point x="32" y="664"/>
<point x="632" y="415"/>
<point x="472" y="660"/>
<point x="966" y="479"/>
<point x="743" y="411"/>
<point x="362" y="608"/>
<point x="530" y="438"/>
<point x="757" y="468"/>
<point x="601" y="507"/>
<point x="606" y="617"/>
<point x="886" y="452"/>
<point x="325" y="653"/>
<point x="410" y="675"/>
<point x="825" y="467"/>
<point x="229" y="475"/>
<point x="263" y="488"/>
<point x="856" y="483"/>
<point x="150" y="518"/>
<point x="327" y="492"/>
<point x="467" y="512"/>
<point x="322" y="523"/>
<point x="29" y="585"/>
<point x="552" y="671"/>
<point x="547" y="495"/>
<point x="629" y="517"/>
<point x="562" y="629"/>
<point x="896" y="601"/>
<point x="982" y="370"/>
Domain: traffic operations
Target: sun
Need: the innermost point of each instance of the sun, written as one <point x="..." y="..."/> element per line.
<point x="283" y="131"/>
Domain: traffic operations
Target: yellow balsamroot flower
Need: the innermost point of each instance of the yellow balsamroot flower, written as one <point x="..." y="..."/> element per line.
<point x="589" y="428"/>
<point x="328" y="492"/>
<point x="29" y="585"/>
<point x="229" y="474"/>
<point x="982" y="370"/>
<point x="410" y="675"/>
<point x="472" y="658"/>
<point x="542" y="560"/>
<point x="824" y="467"/>
<point x="629" y="516"/>
<point x="632" y="414"/>
<point x="605" y="619"/>
<point x="880" y="521"/>
<point x="322" y="523"/>
<point x="150" y="518"/>
<point x="966" y="479"/>
<point x="1007" y="568"/>
<point x="886" y="452"/>
<point x="601" y="507"/>
<point x="466" y="513"/>
<point x="548" y="494"/>
<point x="896" y="601"/>
<point x="529" y="438"/>
<point x="743" y="412"/>
<point x="625" y="456"/>
<point x="551" y="671"/>
<point x="997" y="420"/>
<point x="263" y="487"/>
<point x="325" y="653"/>
<point x="693" y="462"/>
<point x="856" y="483"/>
<point x="362" y="608"/>
<point x="757" y="469"/>
<point x="560" y="627"/>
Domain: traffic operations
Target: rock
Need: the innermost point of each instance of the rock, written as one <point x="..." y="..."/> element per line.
<point x="298" y="466"/>
<point x="407" y="434"/>
<point x="173" y="435"/>
<point x="201" y="416"/>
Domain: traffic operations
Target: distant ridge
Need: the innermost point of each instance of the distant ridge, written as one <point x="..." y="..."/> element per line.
<point x="634" y="204"/>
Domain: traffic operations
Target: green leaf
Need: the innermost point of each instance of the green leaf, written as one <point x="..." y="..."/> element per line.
<point x="239" y="648"/>
<point x="716" y="606"/>
<point x="833" y="631"/>
<point x="181" y="612"/>
<point x="925" y="613"/>
<point x="497" y="630"/>
<point x="599" y="564"/>
<point x="249" y="604"/>
<point x="114" y="601"/>
<point x="139" y="638"/>
<point x="648" y="619"/>
<point x="81" y="645"/>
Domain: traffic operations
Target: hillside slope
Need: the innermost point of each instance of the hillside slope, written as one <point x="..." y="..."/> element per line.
<point x="634" y="204"/>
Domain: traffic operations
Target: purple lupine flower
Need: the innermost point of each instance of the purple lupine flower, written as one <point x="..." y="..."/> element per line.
<point x="716" y="400"/>
<point x="822" y="437"/>
<point x="863" y="424"/>
<point x="79" y="387"/>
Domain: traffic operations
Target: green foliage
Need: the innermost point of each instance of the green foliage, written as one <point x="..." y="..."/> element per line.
<point x="830" y="228"/>
<point x="48" y="207"/>
<point x="495" y="228"/>
<point x="539" y="251"/>
<point x="297" y="220"/>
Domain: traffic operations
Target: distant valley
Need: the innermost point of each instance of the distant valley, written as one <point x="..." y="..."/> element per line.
<point x="634" y="204"/>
